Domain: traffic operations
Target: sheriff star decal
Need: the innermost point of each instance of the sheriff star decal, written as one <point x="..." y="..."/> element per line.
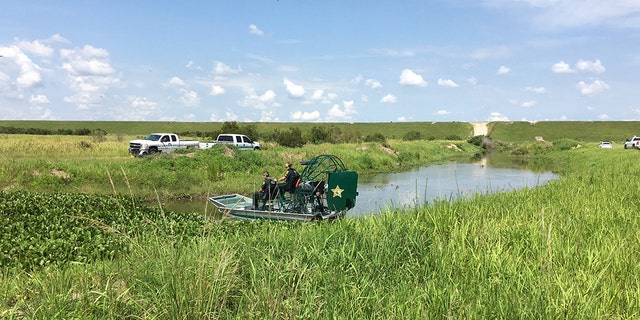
<point x="337" y="192"/>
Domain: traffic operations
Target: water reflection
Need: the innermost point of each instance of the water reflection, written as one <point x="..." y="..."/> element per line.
<point x="445" y="181"/>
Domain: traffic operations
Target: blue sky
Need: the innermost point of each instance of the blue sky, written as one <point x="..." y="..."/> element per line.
<point x="320" y="61"/>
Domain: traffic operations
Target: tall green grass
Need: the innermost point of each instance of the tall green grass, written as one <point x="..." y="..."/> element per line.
<point x="75" y="164"/>
<point x="568" y="249"/>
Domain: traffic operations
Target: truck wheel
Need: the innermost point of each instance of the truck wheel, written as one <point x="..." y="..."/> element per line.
<point x="152" y="151"/>
<point x="317" y="218"/>
<point x="256" y="148"/>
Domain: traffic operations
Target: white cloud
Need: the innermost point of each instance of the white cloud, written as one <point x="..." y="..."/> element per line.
<point x="189" y="98"/>
<point x="253" y="29"/>
<point x="472" y="81"/>
<point x="192" y="65"/>
<point x="342" y="113"/>
<point x="561" y="67"/>
<point x="529" y="104"/>
<point x="295" y="91"/>
<point x="318" y="94"/>
<point x="447" y="83"/>
<point x="389" y="98"/>
<point x="410" y="78"/>
<point x="223" y="69"/>
<point x="373" y="83"/>
<point x="323" y="97"/>
<point x="268" y="96"/>
<point x="590" y="66"/>
<point x="217" y="90"/>
<point x="536" y="89"/>
<point x="357" y="79"/>
<point x="497" y="116"/>
<point x="176" y="82"/>
<point x="142" y="103"/>
<point x="581" y="65"/>
<point x="441" y="113"/>
<point x="593" y="88"/>
<point x="228" y="116"/>
<point x="503" y="70"/>
<point x="39" y="99"/>
<point x="36" y="47"/>
<point x="89" y="74"/>
<point x="305" y="116"/>
<point x="87" y="61"/>
<point x="268" y="116"/>
<point x="57" y="38"/>
<point x="261" y="102"/>
<point x="28" y="78"/>
<point x="603" y="117"/>
<point x="29" y="74"/>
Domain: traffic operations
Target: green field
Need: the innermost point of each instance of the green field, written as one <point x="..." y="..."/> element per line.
<point x="76" y="242"/>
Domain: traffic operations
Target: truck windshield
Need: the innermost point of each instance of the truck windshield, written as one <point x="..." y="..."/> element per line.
<point x="153" y="137"/>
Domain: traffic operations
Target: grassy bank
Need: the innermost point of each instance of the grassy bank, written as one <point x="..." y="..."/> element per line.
<point x="79" y="164"/>
<point x="568" y="249"/>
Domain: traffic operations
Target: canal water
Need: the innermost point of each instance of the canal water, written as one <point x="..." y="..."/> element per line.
<point x="447" y="181"/>
<point x="423" y="185"/>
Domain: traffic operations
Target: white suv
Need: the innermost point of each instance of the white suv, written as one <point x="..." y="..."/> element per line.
<point x="632" y="143"/>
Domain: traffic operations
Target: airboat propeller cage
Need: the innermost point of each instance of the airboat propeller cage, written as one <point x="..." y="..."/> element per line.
<point x="341" y="184"/>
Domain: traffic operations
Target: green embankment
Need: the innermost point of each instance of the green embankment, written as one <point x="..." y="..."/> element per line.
<point x="583" y="131"/>
<point x="392" y="130"/>
<point x="514" y="131"/>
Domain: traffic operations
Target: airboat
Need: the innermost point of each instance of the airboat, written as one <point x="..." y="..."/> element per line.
<point x="326" y="191"/>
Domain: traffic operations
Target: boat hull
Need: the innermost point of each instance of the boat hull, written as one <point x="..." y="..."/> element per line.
<point x="236" y="206"/>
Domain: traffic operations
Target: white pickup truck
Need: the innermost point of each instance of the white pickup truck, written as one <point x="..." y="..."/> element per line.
<point x="633" y="143"/>
<point x="239" y="140"/>
<point x="159" y="142"/>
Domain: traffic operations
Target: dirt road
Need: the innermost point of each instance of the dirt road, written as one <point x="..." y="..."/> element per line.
<point x="480" y="128"/>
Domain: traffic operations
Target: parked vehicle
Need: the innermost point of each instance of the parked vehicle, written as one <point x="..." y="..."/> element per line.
<point x="605" y="145"/>
<point x="159" y="142"/>
<point x="633" y="143"/>
<point x="239" y="140"/>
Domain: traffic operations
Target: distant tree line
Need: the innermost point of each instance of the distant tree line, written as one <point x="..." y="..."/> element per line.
<point x="291" y="137"/>
<point x="46" y="132"/>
